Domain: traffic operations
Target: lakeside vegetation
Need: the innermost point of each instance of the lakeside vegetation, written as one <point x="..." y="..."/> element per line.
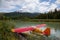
<point x="5" y="31"/>
<point x="43" y="20"/>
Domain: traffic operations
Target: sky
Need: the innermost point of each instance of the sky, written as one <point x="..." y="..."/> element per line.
<point x="29" y="5"/>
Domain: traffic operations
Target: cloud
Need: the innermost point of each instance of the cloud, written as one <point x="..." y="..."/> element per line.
<point x="28" y="5"/>
<point x="52" y="7"/>
<point x="57" y="2"/>
<point x="35" y="6"/>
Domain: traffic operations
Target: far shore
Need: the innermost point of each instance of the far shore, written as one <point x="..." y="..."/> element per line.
<point x="35" y="20"/>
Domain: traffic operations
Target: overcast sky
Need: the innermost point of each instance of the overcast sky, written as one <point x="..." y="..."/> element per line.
<point x="29" y="5"/>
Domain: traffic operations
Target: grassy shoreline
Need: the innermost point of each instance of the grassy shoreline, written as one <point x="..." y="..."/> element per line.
<point x="46" y="20"/>
<point x="35" y="20"/>
<point x="40" y="20"/>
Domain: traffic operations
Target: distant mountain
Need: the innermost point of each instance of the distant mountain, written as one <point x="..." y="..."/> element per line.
<point x="21" y="14"/>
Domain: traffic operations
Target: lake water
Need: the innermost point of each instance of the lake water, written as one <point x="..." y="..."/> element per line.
<point x="55" y="28"/>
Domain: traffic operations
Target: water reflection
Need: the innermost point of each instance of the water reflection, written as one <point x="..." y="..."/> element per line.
<point x="55" y="34"/>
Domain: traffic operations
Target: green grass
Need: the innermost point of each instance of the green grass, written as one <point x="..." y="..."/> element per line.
<point x="5" y="31"/>
<point x="44" y="20"/>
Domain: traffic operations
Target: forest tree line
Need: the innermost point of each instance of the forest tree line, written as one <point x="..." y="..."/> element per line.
<point x="49" y="15"/>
